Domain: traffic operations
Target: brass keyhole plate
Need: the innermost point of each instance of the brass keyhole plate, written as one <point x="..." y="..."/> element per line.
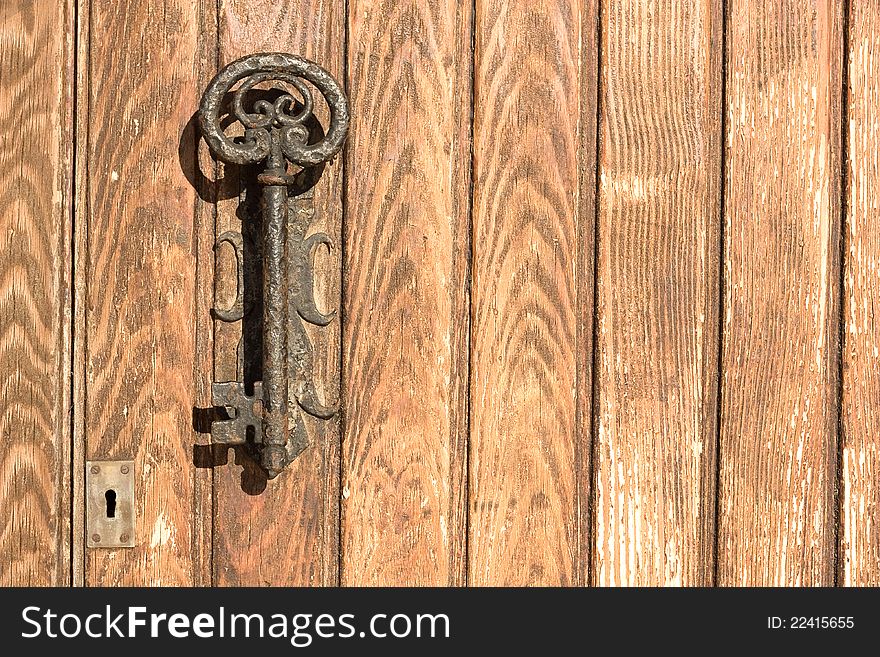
<point x="110" y="504"/>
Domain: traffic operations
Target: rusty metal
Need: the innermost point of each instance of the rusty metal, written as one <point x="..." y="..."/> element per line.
<point x="278" y="138"/>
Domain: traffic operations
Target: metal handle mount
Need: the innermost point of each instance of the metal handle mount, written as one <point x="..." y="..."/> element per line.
<point x="276" y="136"/>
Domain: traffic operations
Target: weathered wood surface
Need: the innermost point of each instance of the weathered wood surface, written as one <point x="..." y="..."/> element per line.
<point x="859" y="559"/>
<point x="139" y="259"/>
<point x="36" y="133"/>
<point x="529" y="446"/>
<point x="477" y="443"/>
<point x="285" y="531"/>
<point x="778" y="445"/>
<point x="657" y="292"/>
<point x="405" y="300"/>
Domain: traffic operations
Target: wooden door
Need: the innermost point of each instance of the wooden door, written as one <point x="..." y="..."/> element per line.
<point x="606" y="275"/>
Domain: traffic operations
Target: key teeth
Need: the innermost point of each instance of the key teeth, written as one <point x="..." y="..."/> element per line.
<point x="231" y="395"/>
<point x="233" y="431"/>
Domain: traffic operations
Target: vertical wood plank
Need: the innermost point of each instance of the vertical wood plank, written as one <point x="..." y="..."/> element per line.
<point x="534" y="131"/>
<point x="36" y="130"/>
<point x="781" y="283"/>
<point x="860" y="421"/>
<point x="657" y="292"/>
<point x="143" y="373"/>
<point x="285" y="531"/>
<point x="405" y="295"/>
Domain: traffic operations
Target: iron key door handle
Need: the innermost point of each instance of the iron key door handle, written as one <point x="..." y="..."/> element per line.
<point x="276" y="138"/>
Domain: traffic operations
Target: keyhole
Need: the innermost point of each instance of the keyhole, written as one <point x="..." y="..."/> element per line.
<point x="110" y="496"/>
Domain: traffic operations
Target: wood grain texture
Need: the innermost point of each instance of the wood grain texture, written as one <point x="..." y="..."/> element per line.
<point x="533" y="139"/>
<point x="657" y="292"/>
<point x="405" y="298"/>
<point x="36" y="133"/>
<point x="781" y="282"/>
<point x="288" y="534"/>
<point x="141" y="239"/>
<point x="860" y="412"/>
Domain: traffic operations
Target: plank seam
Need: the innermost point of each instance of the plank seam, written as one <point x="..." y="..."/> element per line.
<point x="582" y="460"/>
<point x="72" y="456"/>
<point x="722" y="243"/>
<point x="469" y="278"/>
<point x="343" y="217"/>
<point x="215" y="217"/>
<point x="343" y="324"/>
<point x="79" y="336"/>
<point x="845" y="182"/>
<point x="593" y="472"/>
